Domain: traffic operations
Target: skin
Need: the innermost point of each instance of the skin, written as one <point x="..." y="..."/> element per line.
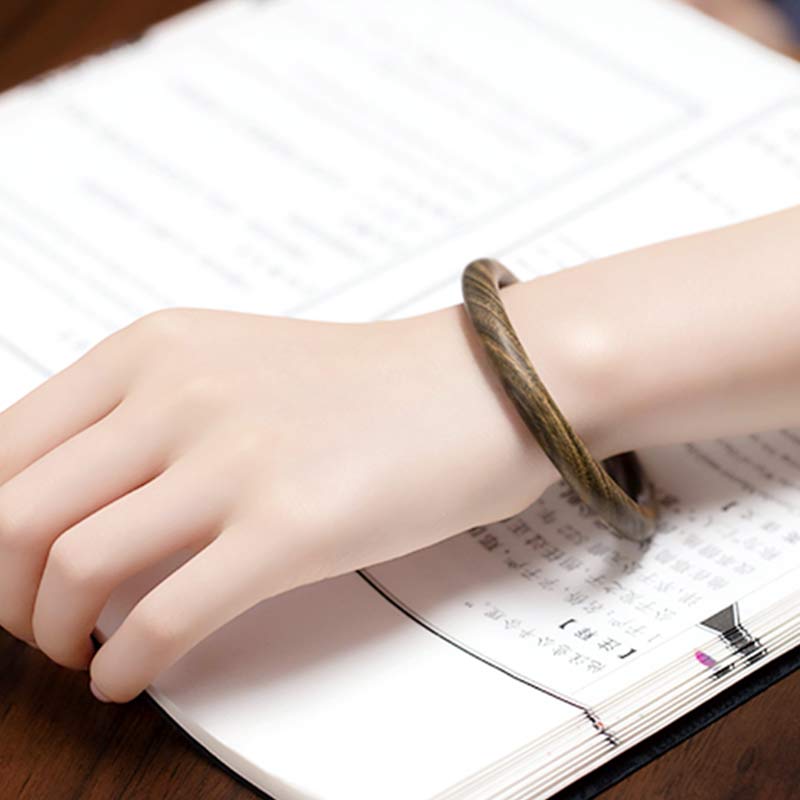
<point x="760" y="19"/>
<point x="281" y="452"/>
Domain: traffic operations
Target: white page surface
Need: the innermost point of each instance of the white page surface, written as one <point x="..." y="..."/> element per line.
<point x="346" y="161"/>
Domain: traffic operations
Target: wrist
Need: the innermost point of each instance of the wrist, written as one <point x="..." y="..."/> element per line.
<point x="581" y="355"/>
<point x="507" y="470"/>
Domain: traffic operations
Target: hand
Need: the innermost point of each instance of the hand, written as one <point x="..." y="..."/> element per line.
<point x="762" y="20"/>
<point x="278" y="451"/>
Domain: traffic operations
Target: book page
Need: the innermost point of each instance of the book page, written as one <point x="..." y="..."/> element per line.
<point x="731" y="518"/>
<point x="333" y="173"/>
<point x="345" y="162"/>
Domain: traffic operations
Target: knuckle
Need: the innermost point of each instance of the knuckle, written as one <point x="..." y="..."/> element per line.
<point x="199" y="391"/>
<point x="16" y="532"/>
<point x="284" y="501"/>
<point x="163" y="325"/>
<point x="304" y="518"/>
<point x="292" y="531"/>
<point x="73" y="566"/>
<point x="155" y="630"/>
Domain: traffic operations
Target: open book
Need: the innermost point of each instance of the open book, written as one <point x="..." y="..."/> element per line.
<point x="345" y="161"/>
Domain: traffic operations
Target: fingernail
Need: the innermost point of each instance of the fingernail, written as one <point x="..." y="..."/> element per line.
<point x="97" y="693"/>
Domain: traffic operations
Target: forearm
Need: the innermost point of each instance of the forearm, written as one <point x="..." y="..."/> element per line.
<point x="282" y="452"/>
<point x="690" y="339"/>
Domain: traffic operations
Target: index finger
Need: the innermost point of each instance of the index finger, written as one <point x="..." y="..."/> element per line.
<point x="56" y="410"/>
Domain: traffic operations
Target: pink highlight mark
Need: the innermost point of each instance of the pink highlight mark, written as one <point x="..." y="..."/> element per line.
<point x="705" y="659"/>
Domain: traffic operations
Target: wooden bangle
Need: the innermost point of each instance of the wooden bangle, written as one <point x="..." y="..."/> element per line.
<point x="618" y="490"/>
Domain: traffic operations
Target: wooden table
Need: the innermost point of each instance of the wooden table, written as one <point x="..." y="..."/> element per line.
<point x="57" y="743"/>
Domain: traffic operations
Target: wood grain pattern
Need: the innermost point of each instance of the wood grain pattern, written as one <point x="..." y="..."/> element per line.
<point x="630" y="511"/>
<point x="57" y="743"/>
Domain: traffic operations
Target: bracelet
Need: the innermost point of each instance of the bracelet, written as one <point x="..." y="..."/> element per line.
<point x="618" y="489"/>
